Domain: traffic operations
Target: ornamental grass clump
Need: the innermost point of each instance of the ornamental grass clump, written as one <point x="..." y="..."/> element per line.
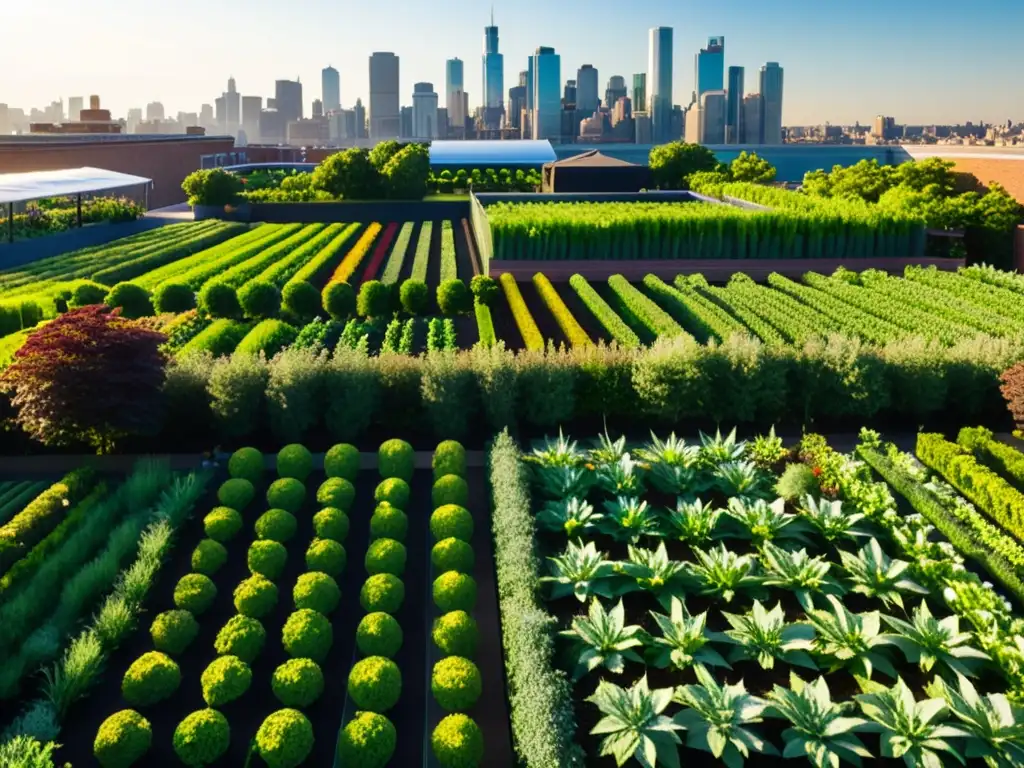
<point x="287" y="493"/>
<point x="456" y="683"/>
<point x="379" y="634"/>
<point x="307" y="634"/>
<point x="122" y="739"/>
<point x="151" y="678"/>
<point x="173" y="631"/>
<point x="326" y="556"/>
<point x="267" y="558"/>
<point x="452" y="554"/>
<point x="451" y="521"/>
<point x="385" y="556"/>
<point x="388" y="522"/>
<point x="195" y="592"/>
<point x="382" y="592"/>
<point x="456" y="634"/>
<point x="225" y="679"/>
<point x="336" y="492"/>
<point x="316" y="591"/>
<point x="331" y="523"/>
<point x="367" y="740"/>
<point x="202" y="738"/>
<point x="285" y="739"/>
<point x="255" y="597"/>
<point x="375" y="684"/>
<point x="222" y="524"/>
<point x="242" y="636"/>
<point x="298" y="683"/>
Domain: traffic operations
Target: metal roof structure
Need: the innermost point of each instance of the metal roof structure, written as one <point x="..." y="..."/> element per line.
<point x="491" y="153"/>
<point x="35" y="185"/>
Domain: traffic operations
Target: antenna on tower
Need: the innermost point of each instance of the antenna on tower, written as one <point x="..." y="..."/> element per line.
<point x="492" y="14"/>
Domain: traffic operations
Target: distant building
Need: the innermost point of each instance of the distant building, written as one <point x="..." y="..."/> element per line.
<point x="586" y="89"/>
<point x="206" y="118"/>
<point x="709" y="66"/>
<point x="406" y="125"/>
<point x="75" y="108"/>
<point x="330" y="89"/>
<point x="592" y="128"/>
<point x="623" y="110"/>
<point x="288" y="100"/>
<point x="771" y="99"/>
<point x="884" y="128"/>
<point x="318" y="108"/>
<point x="751" y="128"/>
<point x="616" y="90"/>
<point x="454" y="87"/>
<point x="659" y="83"/>
<point x="642" y="127"/>
<point x="546" y="119"/>
<point x="154" y="111"/>
<point x="251" y="108"/>
<point x="232" y="109"/>
<point x="493" y="77"/>
<point x="517" y="102"/>
<point x="362" y="131"/>
<point x="342" y="125"/>
<point x="677" y="123"/>
<point x="315" y="131"/>
<point x="713" y="109"/>
<point x="273" y="127"/>
<point x="384" y="96"/>
<point x="640" y="92"/>
<point x="734" y="106"/>
<point x="693" y="132"/>
<point x="92" y="120"/>
<point x="135" y="117"/>
<point x="443" y="128"/>
<point x="570" y="96"/>
<point x="424" y="111"/>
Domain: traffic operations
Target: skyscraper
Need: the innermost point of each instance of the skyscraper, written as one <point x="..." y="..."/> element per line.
<point x="659" y="81"/>
<point x="288" y="100"/>
<point x="640" y="92"/>
<point x="616" y="90"/>
<point x="586" y="90"/>
<point x="330" y="89"/>
<point x="750" y="131"/>
<point x="709" y="65"/>
<point x="494" y="76"/>
<point x="546" y="118"/>
<point x="384" y="98"/>
<point x="517" y="102"/>
<point x="360" y="119"/>
<point x="74" y="108"/>
<point x="454" y="87"/>
<point x="713" y="109"/>
<point x="424" y="111"/>
<point x="570" y="95"/>
<point x="154" y="111"/>
<point x="251" y="108"/>
<point x="318" y="108"/>
<point x="771" y="103"/>
<point x="734" y="106"/>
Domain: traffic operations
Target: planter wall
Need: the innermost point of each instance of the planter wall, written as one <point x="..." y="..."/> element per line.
<point x="359" y="212"/>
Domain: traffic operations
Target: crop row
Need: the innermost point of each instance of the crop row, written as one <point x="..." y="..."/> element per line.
<point x="379" y="252"/>
<point x="527" y="326"/>
<point x="563" y="316"/>
<point x="281" y="271"/>
<point x="421" y="258"/>
<point x="393" y="270"/>
<point x="356" y="254"/>
<point x="316" y="269"/>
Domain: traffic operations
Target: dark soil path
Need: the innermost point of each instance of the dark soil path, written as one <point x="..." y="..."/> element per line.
<point x="463" y="259"/>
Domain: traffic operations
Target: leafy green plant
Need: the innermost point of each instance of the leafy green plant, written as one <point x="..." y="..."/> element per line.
<point x="996" y="726"/>
<point x="927" y="641"/>
<point x="573" y="516"/>
<point x="562" y="482"/>
<point x="621" y="477"/>
<point x="606" y="450"/>
<point x="723" y="573"/>
<point x="693" y="522"/>
<point x="375" y="684"/>
<point x="652" y="571"/>
<point x="602" y="639"/>
<point x="742" y="479"/>
<point x="828" y="519"/>
<point x="225" y="679"/>
<point x="798" y="572"/>
<point x="633" y="725"/>
<point x="457" y="742"/>
<point x="284" y="739"/>
<point x="684" y="639"/>
<point x="202" y="737"/>
<point x="851" y="640"/>
<point x="557" y="452"/>
<point x="765" y="636"/>
<point x="581" y="571"/>
<point x="367" y="740"/>
<point x="456" y="683"/>
<point x="379" y="634"/>
<point x="718" y="450"/>
<point x="767" y="450"/>
<point x="628" y="518"/>
<point x="761" y="522"/>
<point x="875" y="574"/>
<point x="671" y="464"/>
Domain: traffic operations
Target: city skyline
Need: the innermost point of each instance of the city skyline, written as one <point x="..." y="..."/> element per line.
<point x="832" y="74"/>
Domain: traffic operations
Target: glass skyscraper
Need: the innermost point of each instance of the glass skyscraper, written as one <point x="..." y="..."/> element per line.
<point x="586" y="90"/>
<point x="494" y="69"/>
<point x="771" y="103"/>
<point x="659" y="81"/>
<point x="710" y="67"/>
<point x="734" y="106"/>
<point x="331" y="89"/>
<point x="640" y="92"/>
<point x="547" y="94"/>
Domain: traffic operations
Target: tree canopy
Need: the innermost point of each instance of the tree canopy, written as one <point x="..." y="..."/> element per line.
<point x="672" y="164"/>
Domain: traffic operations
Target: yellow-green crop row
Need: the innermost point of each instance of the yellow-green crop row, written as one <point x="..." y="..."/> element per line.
<point x="313" y="271"/>
<point x="280" y="272"/>
<point x="449" y="265"/>
<point x="422" y="257"/>
<point x="521" y="313"/>
<point x="354" y="257"/>
<point x="637" y="307"/>
<point x="393" y="269"/>
<point x="610" y="321"/>
<point x="563" y="316"/>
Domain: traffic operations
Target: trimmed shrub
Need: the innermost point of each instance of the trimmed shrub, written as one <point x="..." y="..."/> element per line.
<point x="286" y="493"/>
<point x="396" y="459"/>
<point x="316" y="591"/>
<point x="242" y="636"/>
<point x="246" y="463"/>
<point x="453" y="298"/>
<point x="375" y="684"/>
<point x="379" y="634"/>
<point x="307" y="634"/>
<point x="276" y="525"/>
<point x="336" y="492"/>
<point x="302" y="299"/>
<point x="236" y="493"/>
<point x="208" y="557"/>
<point x="151" y="678"/>
<point x="382" y="592"/>
<point x="87" y="293"/>
<point x="267" y="558"/>
<point x="342" y="460"/>
<point x="385" y="556"/>
<point x="222" y="524"/>
<point x="225" y="679"/>
<point x="393" y="491"/>
<point x="326" y="556"/>
<point x="173" y="631"/>
<point x="331" y="523"/>
<point x="122" y="739"/>
<point x="255" y="597"/>
<point x="259" y="299"/>
<point x="367" y="740"/>
<point x="456" y="634"/>
<point x="219" y="300"/>
<point x="202" y="738"/>
<point x="485" y="289"/>
<point x="450" y="489"/>
<point x="451" y="521"/>
<point x="452" y="554"/>
<point x="339" y="300"/>
<point x="173" y="297"/>
<point x="454" y="591"/>
<point x="195" y="592"/>
<point x="294" y="461"/>
<point x="388" y="522"/>
<point x="133" y="300"/>
<point x="414" y="296"/>
<point x="458" y="742"/>
<point x="374" y="299"/>
<point x="268" y="337"/>
<point x="298" y="682"/>
<point x="796" y="482"/>
<point x="456" y="683"/>
<point x="285" y="739"/>
<point x="449" y="457"/>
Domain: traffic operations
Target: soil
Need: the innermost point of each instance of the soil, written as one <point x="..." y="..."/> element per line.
<point x="467" y="269"/>
<point x="549" y="328"/>
<point x="434" y="263"/>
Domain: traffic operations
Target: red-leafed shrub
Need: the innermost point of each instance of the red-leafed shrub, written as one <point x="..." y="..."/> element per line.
<point x="1013" y="391"/>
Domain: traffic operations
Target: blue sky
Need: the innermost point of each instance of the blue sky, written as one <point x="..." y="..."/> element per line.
<point x="923" y="61"/>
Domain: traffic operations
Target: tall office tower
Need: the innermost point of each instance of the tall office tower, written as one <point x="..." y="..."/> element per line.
<point x="251" y="108"/>
<point x="640" y="92"/>
<point x="734" y="106"/>
<point x="154" y="111"/>
<point x="330" y="89"/>
<point x="546" y="119"/>
<point x="693" y="127"/>
<point x="135" y="117"/>
<point x="659" y="83"/>
<point x="642" y="123"/>
<point x="318" y="108"/>
<point x="288" y="100"/>
<point x="713" y="109"/>
<point x="616" y="90"/>
<point x="517" y="103"/>
<point x="360" y="120"/>
<point x="771" y="103"/>
<point x="623" y="110"/>
<point x="454" y="87"/>
<point x="424" y="111"/>
<point x="405" y="123"/>
<point x="709" y="66"/>
<point x="384" y="99"/>
<point x="273" y="129"/>
<point x="494" y="77"/>
<point x="442" y="122"/>
<point x="586" y="90"/>
<point x="570" y="96"/>
<point x="206" y="118"/>
<point x="75" y="108"/>
<point x="750" y="131"/>
<point x="232" y="108"/>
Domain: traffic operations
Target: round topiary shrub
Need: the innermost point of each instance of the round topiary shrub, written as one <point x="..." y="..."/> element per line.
<point x="453" y="298"/>
<point x="208" y="557"/>
<point x="336" y="492"/>
<point x="202" y="738"/>
<point x="287" y="494"/>
<point x="454" y="591"/>
<point x="302" y="299"/>
<point x="151" y="678"/>
<point x="276" y="525"/>
<point x="458" y="742"/>
<point x="388" y="522"/>
<point x="307" y="634"/>
<point x="236" y="493"/>
<point x="452" y="554"/>
<point x="450" y="521"/>
<point x="396" y="459"/>
<point x="87" y="293"/>
<point x="294" y="461"/>
<point x="368" y="740"/>
<point x="374" y="299"/>
<point x="383" y="592"/>
<point x="225" y="679"/>
<point x="285" y="739"/>
<point x="414" y="296"/>
<point x="375" y="683"/>
<point x="456" y="684"/>
<point x="219" y="300"/>
<point x="173" y="631"/>
<point x="342" y="460"/>
<point x="195" y="592"/>
<point x="326" y="556"/>
<point x="246" y="463"/>
<point x="173" y="297"/>
<point x="122" y="739"/>
<point x="456" y="634"/>
<point x="450" y="489"/>
<point x="298" y="683"/>
<point x="449" y="459"/>
<point x="385" y="556"/>
<point x="267" y="558"/>
<point x="485" y="289"/>
<point x="379" y="634"/>
<point x="331" y="523"/>
<point x="133" y="300"/>
<point x="339" y="300"/>
<point x="255" y="597"/>
<point x="242" y="636"/>
<point x="222" y="524"/>
<point x="259" y="299"/>
<point x="316" y="591"/>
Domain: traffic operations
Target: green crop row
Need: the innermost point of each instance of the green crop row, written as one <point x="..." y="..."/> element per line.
<point x="994" y="298"/>
<point x="848" y="316"/>
<point x="563" y="316"/>
<point x="393" y="269"/>
<point x="16" y="495"/>
<point x="315" y="270"/>
<point x="691" y="309"/>
<point x="527" y="326"/>
<point x="246" y="270"/>
<point x="422" y="258"/>
<point x="599" y="308"/>
<point x="795" y="320"/>
<point x="484" y="324"/>
<point x="731" y="303"/>
<point x="281" y="271"/>
<point x="221" y="337"/>
<point x="268" y="337"/>
<point x="982" y="443"/>
<point x="173" y="271"/>
<point x="449" y="265"/>
<point x="637" y="307"/>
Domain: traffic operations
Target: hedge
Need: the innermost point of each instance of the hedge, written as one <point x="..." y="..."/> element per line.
<point x="1006" y="460"/>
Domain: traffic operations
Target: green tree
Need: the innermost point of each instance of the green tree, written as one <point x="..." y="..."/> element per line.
<point x="672" y="164"/>
<point x="214" y="186"/>
<point x="347" y="175"/>
<point x="405" y="174"/>
<point x="748" y="166"/>
<point x="932" y="171"/>
<point x="382" y="153"/>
